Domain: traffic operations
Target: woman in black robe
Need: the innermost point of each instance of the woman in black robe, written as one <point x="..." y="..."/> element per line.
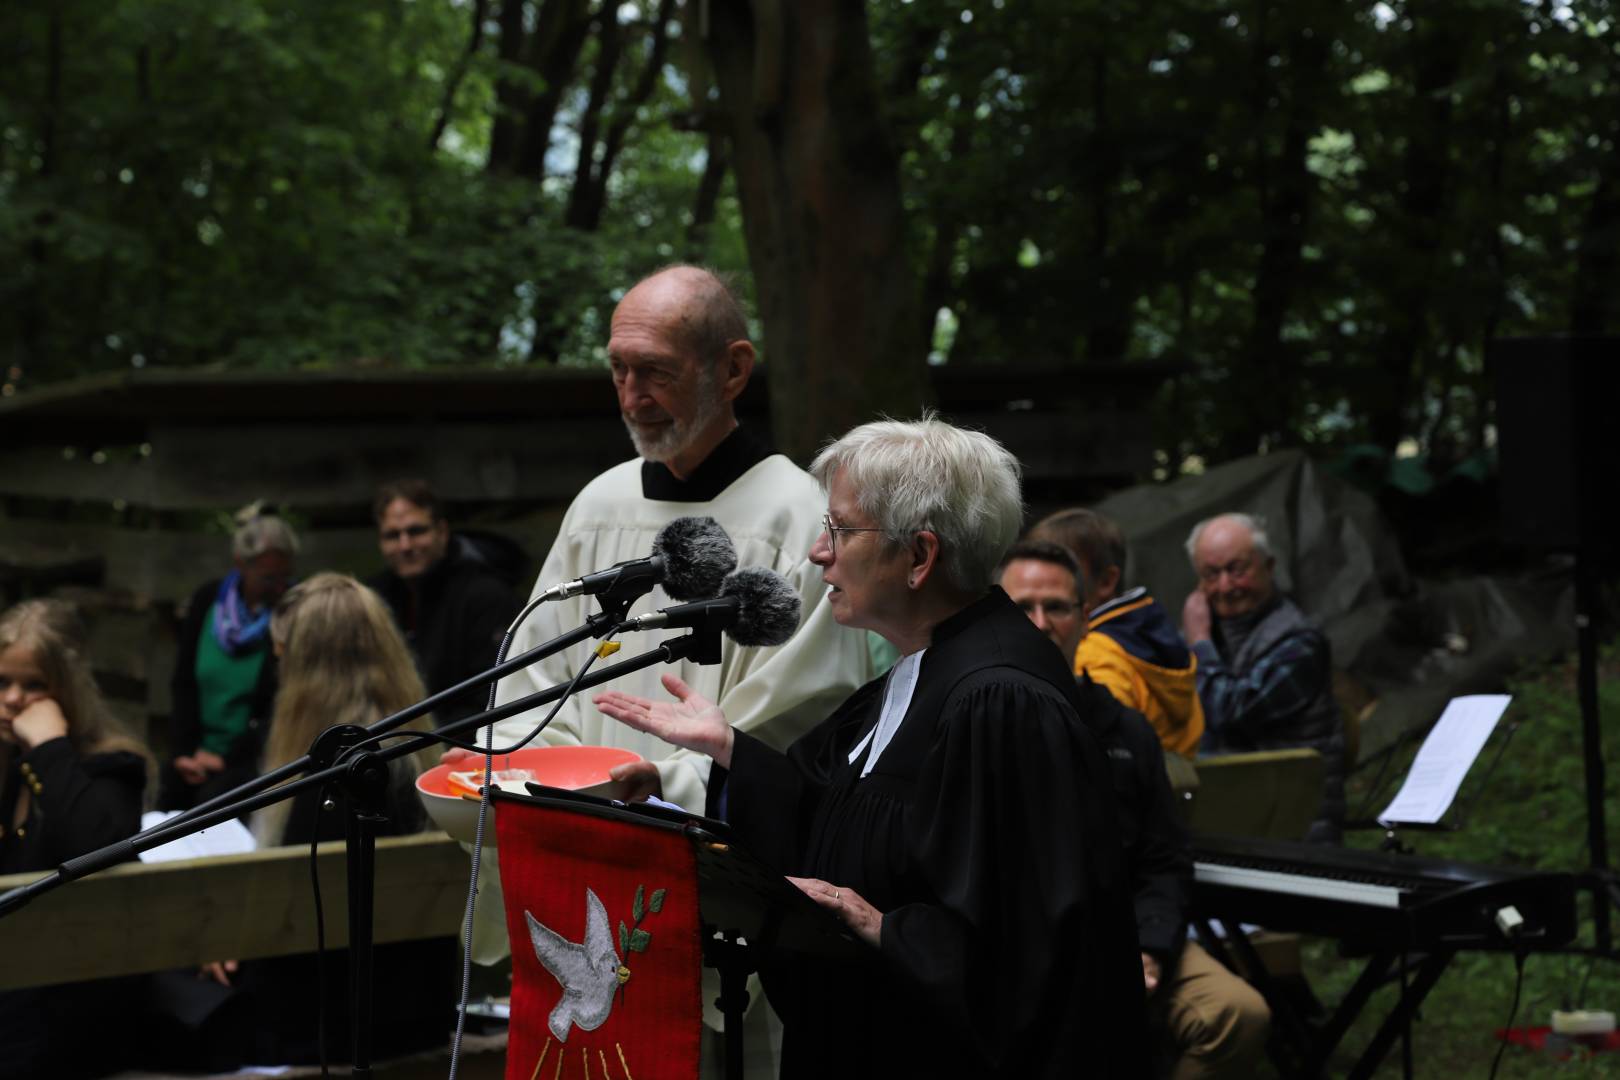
<point x="956" y="814"/>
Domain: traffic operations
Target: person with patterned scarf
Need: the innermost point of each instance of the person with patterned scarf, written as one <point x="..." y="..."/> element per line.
<point x="224" y="681"/>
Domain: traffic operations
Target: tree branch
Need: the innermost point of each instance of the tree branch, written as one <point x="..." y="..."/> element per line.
<point x="480" y="12"/>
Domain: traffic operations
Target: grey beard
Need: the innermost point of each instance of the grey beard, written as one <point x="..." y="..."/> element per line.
<point x="662" y="446"/>
<point x="678" y="435"/>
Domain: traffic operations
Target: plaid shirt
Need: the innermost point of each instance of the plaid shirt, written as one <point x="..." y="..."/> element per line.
<point x="1275" y="692"/>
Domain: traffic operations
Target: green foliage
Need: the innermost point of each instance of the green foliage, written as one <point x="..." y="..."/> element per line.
<point x="1324" y="211"/>
<point x="252" y="184"/>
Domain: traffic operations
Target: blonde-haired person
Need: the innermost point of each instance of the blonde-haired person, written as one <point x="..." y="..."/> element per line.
<point x="71" y="781"/>
<point x="342" y="661"/>
<point x="224" y="676"/>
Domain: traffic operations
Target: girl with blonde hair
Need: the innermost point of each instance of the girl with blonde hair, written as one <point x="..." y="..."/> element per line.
<point x="73" y="777"/>
<point x="71" y="781"/>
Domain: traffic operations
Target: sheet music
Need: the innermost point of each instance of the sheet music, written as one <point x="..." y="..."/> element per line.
<point x="227" y="838"/>
<point x="1445" y="758"/>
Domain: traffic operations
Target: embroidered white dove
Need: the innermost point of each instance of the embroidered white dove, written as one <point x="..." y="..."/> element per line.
<point x="589" y="972"/>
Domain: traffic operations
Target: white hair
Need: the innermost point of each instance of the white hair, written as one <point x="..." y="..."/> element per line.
<point x="1252" y="522"/>
<point x="259" y="531"/>
<point x="963" y="486"/>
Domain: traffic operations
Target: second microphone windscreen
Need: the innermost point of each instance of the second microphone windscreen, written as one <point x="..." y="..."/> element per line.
<point x="767" y="607"/>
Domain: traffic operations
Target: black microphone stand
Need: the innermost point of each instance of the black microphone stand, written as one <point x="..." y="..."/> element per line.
<point x="362" y="778"/>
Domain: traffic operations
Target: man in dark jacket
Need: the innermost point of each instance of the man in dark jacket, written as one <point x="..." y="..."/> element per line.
<point x="1214" y="1023"/>
<point x="1265" y="674"/>
<point x="449" y="600"/>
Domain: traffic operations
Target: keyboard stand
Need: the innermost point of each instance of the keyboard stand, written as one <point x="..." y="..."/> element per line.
<point x="1311" y="1046"/>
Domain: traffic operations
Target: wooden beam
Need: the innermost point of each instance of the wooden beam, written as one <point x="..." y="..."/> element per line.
<point x="156" y="916"/>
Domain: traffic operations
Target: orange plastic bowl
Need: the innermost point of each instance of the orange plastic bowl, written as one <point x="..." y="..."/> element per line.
<point x="450" y="792"/>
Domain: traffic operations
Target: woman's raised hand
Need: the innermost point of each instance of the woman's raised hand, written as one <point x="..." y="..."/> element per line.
<point x="39" y="723"/>
<point x="692" y="721"/>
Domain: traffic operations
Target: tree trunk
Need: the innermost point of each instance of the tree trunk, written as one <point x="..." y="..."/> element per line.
<point x="34" y="330"/>
<point x="1394" y="407"/>
<point x="1107" y="329"/>
<point x="475" y="41"/>
<point x="521" y="133"/>
<point x="1596" y="307"/>
<point x="819" y="183"/>
<point x="1266" y="386"/>
<point x="716" y="163"/>
<point x="599" y="151"/>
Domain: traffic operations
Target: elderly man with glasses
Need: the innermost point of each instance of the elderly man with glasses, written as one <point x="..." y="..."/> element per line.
<point x="1264" y="673"/>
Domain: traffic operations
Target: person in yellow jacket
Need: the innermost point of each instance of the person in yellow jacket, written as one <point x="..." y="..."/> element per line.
<point x="1131" y="646"/>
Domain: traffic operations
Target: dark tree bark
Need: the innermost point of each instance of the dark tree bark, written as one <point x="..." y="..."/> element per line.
<point x="1427" y="172"/>
<point x="818" y="179"/>
<point x="33" y="329"/>
<point x="599" y="152"/>
<point x="1596" y="308"/>
<point x="475" y="41"/>
<point x="1108" y="323"/>
<point x="1265" y="390"/>
<point x="937" y="287"/>
<point x="526" y="107"/>
<point x="716" y="163"/>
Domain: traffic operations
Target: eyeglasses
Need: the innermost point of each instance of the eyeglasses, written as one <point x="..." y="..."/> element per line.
<point x="1054" y="609"/>
<point x="832" y="531"/>
<point x="1235" y="569"/>
<point x="415" y="532"/>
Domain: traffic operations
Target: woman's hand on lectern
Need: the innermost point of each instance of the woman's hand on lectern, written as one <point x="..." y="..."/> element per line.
<point x="851" y="908"/>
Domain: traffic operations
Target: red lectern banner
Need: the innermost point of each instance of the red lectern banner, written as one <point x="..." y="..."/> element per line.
<point x="606" y="946"/>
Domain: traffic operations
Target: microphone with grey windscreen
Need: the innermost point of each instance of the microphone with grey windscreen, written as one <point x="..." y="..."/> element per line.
<point x="755" y="606"/>
<point x="690" y="557"/>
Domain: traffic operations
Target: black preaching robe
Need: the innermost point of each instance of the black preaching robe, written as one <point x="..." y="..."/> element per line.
<point x="987" y="835"/>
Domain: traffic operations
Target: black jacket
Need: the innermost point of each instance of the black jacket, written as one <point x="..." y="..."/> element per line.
<point x="1156" y="845"/>
<point x="453" y="617"/>
<point x="80" y="802"/>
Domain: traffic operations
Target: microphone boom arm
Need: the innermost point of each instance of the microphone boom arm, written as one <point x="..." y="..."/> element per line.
<point x="252" y="796"/>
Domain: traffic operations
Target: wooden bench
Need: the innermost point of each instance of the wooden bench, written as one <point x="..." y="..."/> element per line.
<point x="155" y="916"/>
<point x="1273" y="794"/>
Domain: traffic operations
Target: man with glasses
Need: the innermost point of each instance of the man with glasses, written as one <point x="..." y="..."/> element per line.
<point x="446" y="593"/>
<point x="1207" y="1021"/>
<point x="1264" y="673"/>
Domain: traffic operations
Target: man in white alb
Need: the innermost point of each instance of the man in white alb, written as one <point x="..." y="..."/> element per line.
<point x="680" y="357"/>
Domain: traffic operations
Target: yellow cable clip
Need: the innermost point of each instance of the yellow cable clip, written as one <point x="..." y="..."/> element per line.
<point x="606" y="649"/>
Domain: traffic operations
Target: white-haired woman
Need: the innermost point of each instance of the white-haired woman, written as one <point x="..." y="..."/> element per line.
<point x="224" y="681"/>
<point x="955" y="814"/>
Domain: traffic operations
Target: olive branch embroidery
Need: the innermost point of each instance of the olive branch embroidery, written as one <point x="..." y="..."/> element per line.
<point x="633" y="938"/>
